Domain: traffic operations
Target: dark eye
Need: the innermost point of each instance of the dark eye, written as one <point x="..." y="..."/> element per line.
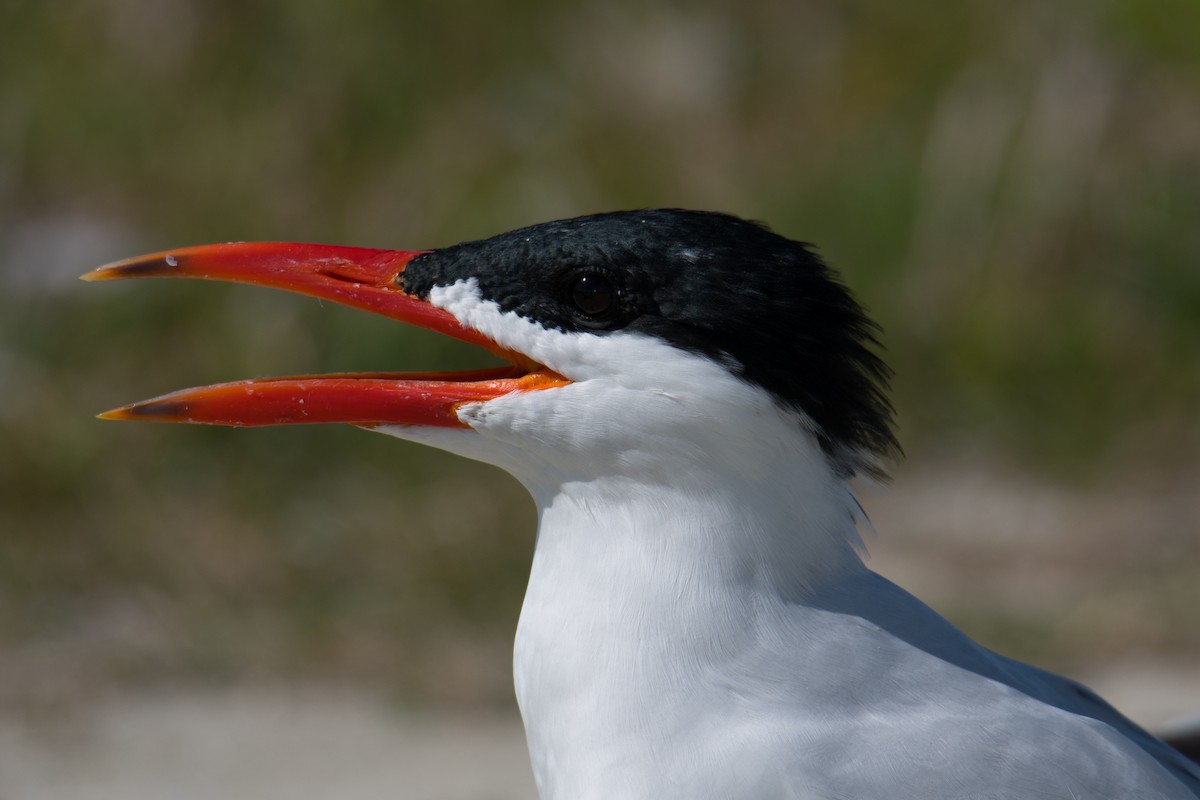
<point x="594" y="295"/>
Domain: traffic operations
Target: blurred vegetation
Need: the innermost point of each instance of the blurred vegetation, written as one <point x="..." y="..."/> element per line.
<point x="1013" y="188"/>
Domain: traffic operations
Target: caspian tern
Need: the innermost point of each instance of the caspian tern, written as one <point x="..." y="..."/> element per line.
<point x="688" y="399"/>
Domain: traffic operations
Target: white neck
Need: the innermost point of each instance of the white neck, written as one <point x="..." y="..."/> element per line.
<point x="639" y="593"/>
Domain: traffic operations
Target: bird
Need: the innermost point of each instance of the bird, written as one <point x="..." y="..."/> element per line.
<point x="687" y="396"/>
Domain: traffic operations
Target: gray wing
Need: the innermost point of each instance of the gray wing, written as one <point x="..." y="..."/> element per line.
<point x="1046" y="734"/>
<point x="1018" y="756"/>
<point x="1075" y="697"/>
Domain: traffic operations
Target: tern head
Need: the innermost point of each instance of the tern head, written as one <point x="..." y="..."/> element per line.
<point x="635" y="339"/>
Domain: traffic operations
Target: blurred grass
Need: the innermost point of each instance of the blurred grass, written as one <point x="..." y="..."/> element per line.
<point x="1013" y="188"/>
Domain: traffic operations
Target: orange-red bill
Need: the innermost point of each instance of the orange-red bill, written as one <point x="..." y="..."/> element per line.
<point x="361" y="399"/>
<point x="359" y="277"/>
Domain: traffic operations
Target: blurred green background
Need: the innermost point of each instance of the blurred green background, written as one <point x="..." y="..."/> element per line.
<point x="1012" y="187"/>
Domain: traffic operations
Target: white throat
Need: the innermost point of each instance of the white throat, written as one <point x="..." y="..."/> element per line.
<point x="642" y="597"/>
<point x="647" y="593"/>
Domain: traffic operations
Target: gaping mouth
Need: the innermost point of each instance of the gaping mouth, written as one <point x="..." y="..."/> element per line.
<point x="354" y="276"/>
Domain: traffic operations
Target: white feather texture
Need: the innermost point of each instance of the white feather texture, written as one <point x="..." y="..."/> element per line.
<point x="699" y="623"/>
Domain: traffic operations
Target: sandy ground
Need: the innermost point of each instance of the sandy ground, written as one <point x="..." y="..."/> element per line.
<point x="261" y="743"/>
